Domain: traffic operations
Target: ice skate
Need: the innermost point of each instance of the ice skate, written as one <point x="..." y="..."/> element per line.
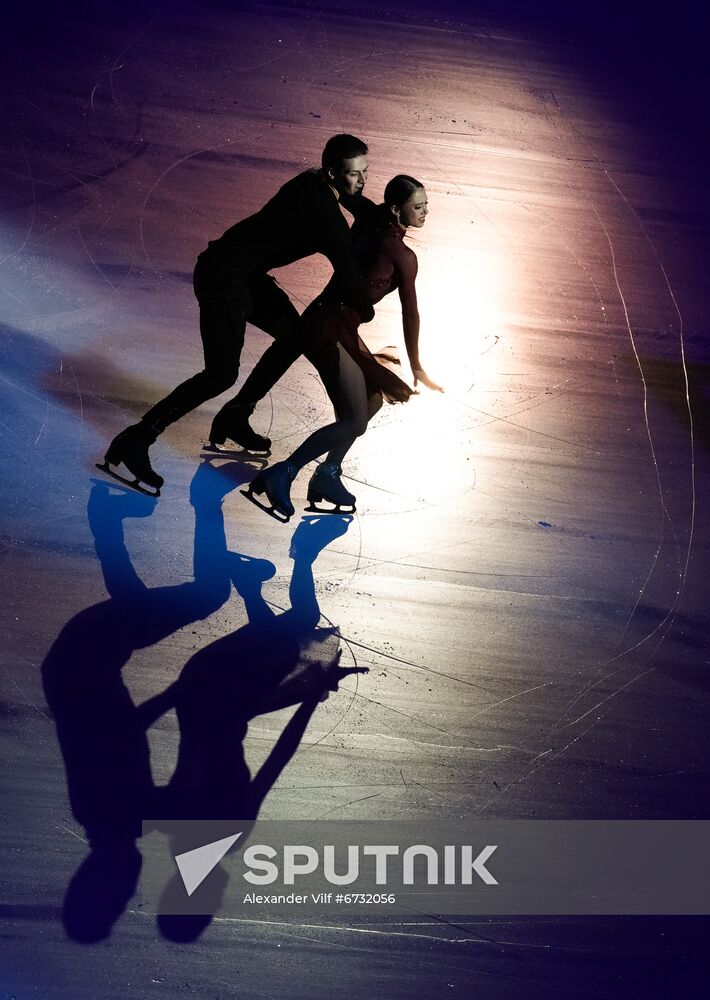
<point x="232" y="424"/>
<point x="326" y="486"/>
<point x="130" y="450"/>
<point x="275" y="483"/>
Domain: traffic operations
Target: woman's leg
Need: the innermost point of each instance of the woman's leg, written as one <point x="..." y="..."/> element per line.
<point x="349" y="397"/>
<point x="336" y="455"/>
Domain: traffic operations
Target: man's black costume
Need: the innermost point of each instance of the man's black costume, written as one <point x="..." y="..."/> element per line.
<point x="232" y="286"/>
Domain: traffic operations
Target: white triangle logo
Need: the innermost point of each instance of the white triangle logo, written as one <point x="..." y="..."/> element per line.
<point x="194" y="866"/>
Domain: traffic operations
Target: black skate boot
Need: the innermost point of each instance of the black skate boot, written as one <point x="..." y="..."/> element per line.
<point x="326" y="484"/>
<point x="275" y="482"/>
<point x="130" y="449"/>
<point x="232" y="423"/>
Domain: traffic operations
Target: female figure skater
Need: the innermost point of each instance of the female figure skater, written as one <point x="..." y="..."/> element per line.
<point x="355" y="380"/>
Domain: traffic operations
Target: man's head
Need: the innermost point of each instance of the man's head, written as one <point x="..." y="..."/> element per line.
<point x="344" y="163"/>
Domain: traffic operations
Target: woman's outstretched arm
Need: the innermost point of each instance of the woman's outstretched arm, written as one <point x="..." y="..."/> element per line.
<point x="405" y="269"/>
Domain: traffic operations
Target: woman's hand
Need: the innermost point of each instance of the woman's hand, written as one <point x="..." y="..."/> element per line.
<point x="421" y="376"/>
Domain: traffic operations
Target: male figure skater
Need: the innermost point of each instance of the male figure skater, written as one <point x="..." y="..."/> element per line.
<point x="232" y="285"/>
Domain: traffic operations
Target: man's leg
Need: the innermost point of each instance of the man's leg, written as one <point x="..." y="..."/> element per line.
<point x="274" y="313"/>
<point x="222" y="326"/>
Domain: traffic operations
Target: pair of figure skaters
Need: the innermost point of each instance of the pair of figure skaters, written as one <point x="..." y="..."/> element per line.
<point x="232" y="285"/>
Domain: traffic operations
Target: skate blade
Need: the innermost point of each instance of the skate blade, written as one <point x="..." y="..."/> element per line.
<point x="234" y="451"/>
<point x="278" y="515"/>
<point x="135" y="484"/>
<point x="312" y="508"/>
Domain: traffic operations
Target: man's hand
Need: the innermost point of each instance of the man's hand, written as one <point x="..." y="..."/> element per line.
<point x="367" y="312"/>
<point x="421" y="376"/>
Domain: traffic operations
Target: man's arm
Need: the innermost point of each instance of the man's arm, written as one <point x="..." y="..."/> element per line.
<point x="333" y="237"/>
<point x="346" y="278"/>
<point x="361" y="208"/>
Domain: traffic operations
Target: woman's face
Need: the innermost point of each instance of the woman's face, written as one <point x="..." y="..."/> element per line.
<point x="414" y="211"/>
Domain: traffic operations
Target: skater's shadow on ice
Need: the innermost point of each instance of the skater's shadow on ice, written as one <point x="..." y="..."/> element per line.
<point x="273" y="661"/>
<point x="276" y="660"/>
